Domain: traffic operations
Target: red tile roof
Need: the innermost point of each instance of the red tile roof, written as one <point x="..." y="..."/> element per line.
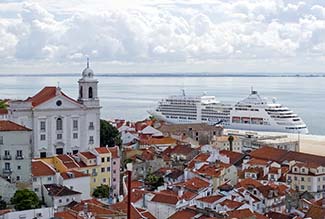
<point x="233" y="156"/>
<point x="40" y="168"/>
<point x="59" y="190"/>
<point x="202" y="157"/>
<point x="44" y="95"/>
<point x="67" y="161"/>
<point x="231" y="204"/>
<point x="73" y="174"/>
<point x="88" y="155"/>
<point x="280" y="155"/>
<point x="249" y="182"/>
<point x="194" y="184"/>
<point x="163" y="197"/>
<point x="114" y="150"/>
<point x="6" y="125"/>
<point x="102" y="150"/>
<point x="3" y="111"/>
<point x="210" y="199"/>
<point x="184" y="214"/>
<point x="67" y="215"/>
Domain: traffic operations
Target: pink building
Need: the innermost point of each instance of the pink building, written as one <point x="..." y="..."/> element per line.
<point x="115" y="171"/>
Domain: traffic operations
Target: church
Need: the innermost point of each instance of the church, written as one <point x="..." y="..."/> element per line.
<point x="61" y="124"/>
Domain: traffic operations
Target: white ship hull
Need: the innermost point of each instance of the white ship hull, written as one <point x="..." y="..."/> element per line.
<point x="253" y="113"/>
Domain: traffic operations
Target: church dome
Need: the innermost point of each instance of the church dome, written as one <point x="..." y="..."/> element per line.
<point x="87" y="72"/>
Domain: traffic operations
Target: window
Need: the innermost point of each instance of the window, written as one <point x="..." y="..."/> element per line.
<point x="34" y="179"/>
<point x="17" y="178"/>
<point x="91" y="126"/>
<point x="108" y="159"/>
<point x="42" y="137"/>
<point x="19" y="154"/>
<point x="103" y="169"/>
<point x="59" y="151"/>
<point x="75" y="135"/>
<point x="90" y="92"/>
<point x="59" y="124"/>
<point x="302" y="179"/>
<point x="75" y="124"/>
<point x="295" y="178"/>
<point x="91" y="139"/>
<point x="60" y="201"/>
<point x="103" y="159"/>
<point x="302" y="187"/>
<point x="42" y="125"/>
<point x="114" y="162"/>
<point x="75" y="151"/>
<point x="18" y="167"/>
<point x="108" y="169"/>
<point x="67" y="200"/>
<point x="104" y="180"/>
<point x="114" y="171"/>
<point x="42" y="154"/>
<point x="80" y="91"/>
<point x="94" y="180"/>
<point x="59" y="136"/>
<point x="7" y="166"/>
<point x="49" y="178"/>
<point x="1" y="140"/>
<point x="114" y="179"/>
<point x="36" y="190"/>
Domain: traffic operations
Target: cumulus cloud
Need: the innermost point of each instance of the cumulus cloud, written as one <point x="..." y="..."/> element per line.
<point x="160" y="31"/>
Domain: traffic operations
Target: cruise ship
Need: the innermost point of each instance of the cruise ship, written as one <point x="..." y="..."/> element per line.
<point x="252" y="113"/>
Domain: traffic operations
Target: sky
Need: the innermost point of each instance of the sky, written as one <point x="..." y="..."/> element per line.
<point x="56" y="36"/>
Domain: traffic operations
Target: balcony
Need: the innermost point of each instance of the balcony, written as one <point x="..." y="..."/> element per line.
<point x="7" y="171"/>
<point x="19" y="157"/>
<point x="7" y="157"/>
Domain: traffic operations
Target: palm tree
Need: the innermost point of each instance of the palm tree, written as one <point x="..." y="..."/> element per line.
<point x="230" y="139"/>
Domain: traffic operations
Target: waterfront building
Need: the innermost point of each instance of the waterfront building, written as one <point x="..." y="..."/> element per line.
<point x="61" y="124"/>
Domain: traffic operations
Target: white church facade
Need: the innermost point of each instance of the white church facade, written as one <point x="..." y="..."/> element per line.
<point x="60" y="124"/>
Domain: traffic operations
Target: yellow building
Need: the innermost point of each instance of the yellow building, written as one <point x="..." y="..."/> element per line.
<point x="96" y="163"/>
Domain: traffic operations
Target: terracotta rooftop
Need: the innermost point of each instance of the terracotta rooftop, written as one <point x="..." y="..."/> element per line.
<point x="67" y="215"/>
<point x="280" y="155"/>
<point x="6" y="125"/>
<point x="88" y="155"/>
<point x="184" y="214"/>
<point x="163" y="197"/>
<point x="194" y="184"/>
<point x="67" y="161"/>
<point x="3" y="111"/>
<point x="248" y="182"/>
<point x="231" y="204"/>
<point x="59" y="190"/>
<point x="202" y="157"/>
<point x="244" y="214"/>
<point x="114" y="151"/>
<point x="73" y="174"/>
<point x="40" y="168"/>
<point x="210" y="199"/>
<point x="234" y="157"/>
<point x="44" y="95"/>
<point x="102" y="150"/>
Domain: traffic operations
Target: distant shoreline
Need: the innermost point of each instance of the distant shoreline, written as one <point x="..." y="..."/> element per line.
<point x="305" y="75"/>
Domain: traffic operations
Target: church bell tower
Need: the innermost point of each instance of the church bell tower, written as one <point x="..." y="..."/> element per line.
<point x="88" y="92"/>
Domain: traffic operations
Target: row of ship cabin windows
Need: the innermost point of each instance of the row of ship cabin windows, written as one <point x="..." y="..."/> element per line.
<point x="59" y="125"/>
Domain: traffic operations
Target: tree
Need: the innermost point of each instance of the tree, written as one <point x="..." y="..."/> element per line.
<point x="230" y="139"/>
<point x="101" y="191"/>
<point x="3" y="104"/>
<point x="3" y="204"/>
<point x="25" y="199"/>
<point x="153" y="181"/>
<point x="109" y="135"/>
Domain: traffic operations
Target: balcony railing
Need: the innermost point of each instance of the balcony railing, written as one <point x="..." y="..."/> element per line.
<point x="19" y="157"/>
<point x="7" y="157"/>
<point x="7" y="171"/>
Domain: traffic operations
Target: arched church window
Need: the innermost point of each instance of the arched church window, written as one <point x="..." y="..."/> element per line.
<point x="59" y="124"/>
<point x="80" y="92"/>
<point x="90" y="92"/>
